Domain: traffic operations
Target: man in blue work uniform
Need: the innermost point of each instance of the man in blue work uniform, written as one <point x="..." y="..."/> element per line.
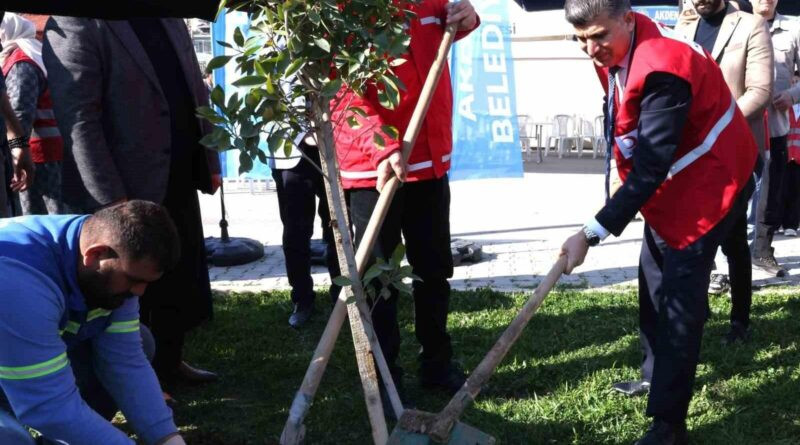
<point x="70" y="347"/>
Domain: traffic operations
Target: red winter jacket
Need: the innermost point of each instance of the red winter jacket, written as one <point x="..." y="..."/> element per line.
<point x="355" y="148"/>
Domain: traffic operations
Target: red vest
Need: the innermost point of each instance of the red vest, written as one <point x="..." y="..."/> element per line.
<point x="717" y="152"/>
<point x="356" y="151"/>
<point x="794" y="136"/>
<point x="46" y="142"/>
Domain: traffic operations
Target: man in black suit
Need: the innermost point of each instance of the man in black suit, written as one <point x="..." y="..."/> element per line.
<point x="676" y="136"/>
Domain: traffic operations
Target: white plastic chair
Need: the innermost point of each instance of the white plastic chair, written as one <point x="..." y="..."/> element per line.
<point x="563" y="132"/>
<point x="585" y="131"/>
<point x="524" y="133"/>
<point x="599" y="136"/>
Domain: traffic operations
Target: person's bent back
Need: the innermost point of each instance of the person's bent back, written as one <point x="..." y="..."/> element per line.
<point x="69" y="320"/>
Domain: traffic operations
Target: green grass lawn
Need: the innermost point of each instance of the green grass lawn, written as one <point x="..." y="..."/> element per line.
<point x="552" y="388"/>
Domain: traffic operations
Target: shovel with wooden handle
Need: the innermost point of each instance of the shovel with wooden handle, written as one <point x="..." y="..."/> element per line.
<point x="294" y="430"/>
<point x="421" y="428"/>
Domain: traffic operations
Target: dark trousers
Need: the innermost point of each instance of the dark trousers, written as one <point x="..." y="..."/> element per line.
<point x="421" y="213"/>
<point x="181" y="299"/>
<point x="791" y="196"/>
<point x="298" y="189"/>
<point x="673" y="308"/>
<point x="740" y="267"/>
<point x="770" y="207"/>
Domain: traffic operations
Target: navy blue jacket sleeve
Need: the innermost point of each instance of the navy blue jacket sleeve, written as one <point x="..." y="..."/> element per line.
<point x="664" y="110"/>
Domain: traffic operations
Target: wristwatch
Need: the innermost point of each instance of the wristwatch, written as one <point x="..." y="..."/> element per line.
<point x="592" y="238"/>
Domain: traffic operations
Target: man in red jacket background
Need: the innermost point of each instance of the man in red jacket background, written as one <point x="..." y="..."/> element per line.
<point x="421" y="207"/>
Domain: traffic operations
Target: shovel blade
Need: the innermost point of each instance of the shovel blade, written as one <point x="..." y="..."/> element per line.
<point x="462" y="434"/>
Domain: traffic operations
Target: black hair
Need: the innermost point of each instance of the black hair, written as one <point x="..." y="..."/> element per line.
<point x="141" y="229"/>
<point x="580" y="13"/>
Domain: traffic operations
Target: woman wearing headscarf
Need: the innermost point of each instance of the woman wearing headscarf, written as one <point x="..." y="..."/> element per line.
<point x="26" y="82"/>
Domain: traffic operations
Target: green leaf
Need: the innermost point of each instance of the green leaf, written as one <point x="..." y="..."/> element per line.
<point x="218" y="96"/>
<point x="398" y="254"/>
<point x="245" y="163"/>
<point x="379" y="141"/>
<point x="217" y="62"/>
<point x="343" y="281"/>
<point x="209" y="140"/>
<point x="287" y="147"/>
<point x="261" y="156"/>
<point x="386" y="267"/>
<point x="314" y="17"/>
<point x="390" y="131"/>
<point x="294" y="66"/>
<point x="397" y="62"/>
<point x="357" y="110"/>
<point x="391" y="91"/>
<point x="248" y="130"/>
<point x="215" y="119"/>
<point x="205" y="111"/>
<point x="261" y="68"/>
<point x="353" y="123"/>
<point x="225" y="44"/>
<point x="403" y="288"/>
<point x="372" y="273"/>
<point x="385" y="100"/>
<point x="331" y="87"/>
<point x="323" y="44"/>
<point x="224" y="142"/>
<point x="233" y="104"/>
<point x="270" y="85"/>
<point x="275" y="140"/>
<point x="250" y="81"/>
<point x="385" y="293"/>
<point x="238" y="37"/>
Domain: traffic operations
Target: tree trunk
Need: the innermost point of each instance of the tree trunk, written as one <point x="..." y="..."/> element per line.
<point x="347" y="264"/>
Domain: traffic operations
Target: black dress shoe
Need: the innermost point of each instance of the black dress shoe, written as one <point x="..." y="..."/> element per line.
<point x="449" y="380"/>
<point x="738" y="333"/>
<point x="665" y="433"/>
<point x="300" y="315"/>
<point x="194" y="376"/>
<point x="632" y="388"/>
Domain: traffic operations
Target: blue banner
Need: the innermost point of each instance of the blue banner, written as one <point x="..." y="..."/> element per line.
<point x="222" y="30"/>
<point x="666" y="15"/>
<point x="485" y="134"/>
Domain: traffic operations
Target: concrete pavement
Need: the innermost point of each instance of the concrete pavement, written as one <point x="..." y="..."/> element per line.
<point x="520" y="223"/>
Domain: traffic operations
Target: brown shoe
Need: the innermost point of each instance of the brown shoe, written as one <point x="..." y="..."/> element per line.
<point x="194" y="376"/>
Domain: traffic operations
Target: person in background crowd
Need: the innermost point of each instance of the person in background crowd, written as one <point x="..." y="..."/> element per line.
<point x="791" y="182"/>
<point x="785" y="34"/>
<point x="299" y="184"/>
<point x="16" y="166"/>
<point x="686" y="155"/>
<point x="721" y="29"/>
<point x="125" y="94"/>
<point x="26" y="80"/>
<point x="71" y="350"/>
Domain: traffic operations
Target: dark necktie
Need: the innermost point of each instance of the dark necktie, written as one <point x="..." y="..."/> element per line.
<point x="610" y="117"/>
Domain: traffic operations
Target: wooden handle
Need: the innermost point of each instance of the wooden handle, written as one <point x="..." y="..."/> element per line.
<point x="322" y="353"/>
<point x="443" y="424"/>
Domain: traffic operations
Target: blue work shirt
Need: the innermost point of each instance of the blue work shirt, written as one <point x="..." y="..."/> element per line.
<point x="43" y="315"/>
